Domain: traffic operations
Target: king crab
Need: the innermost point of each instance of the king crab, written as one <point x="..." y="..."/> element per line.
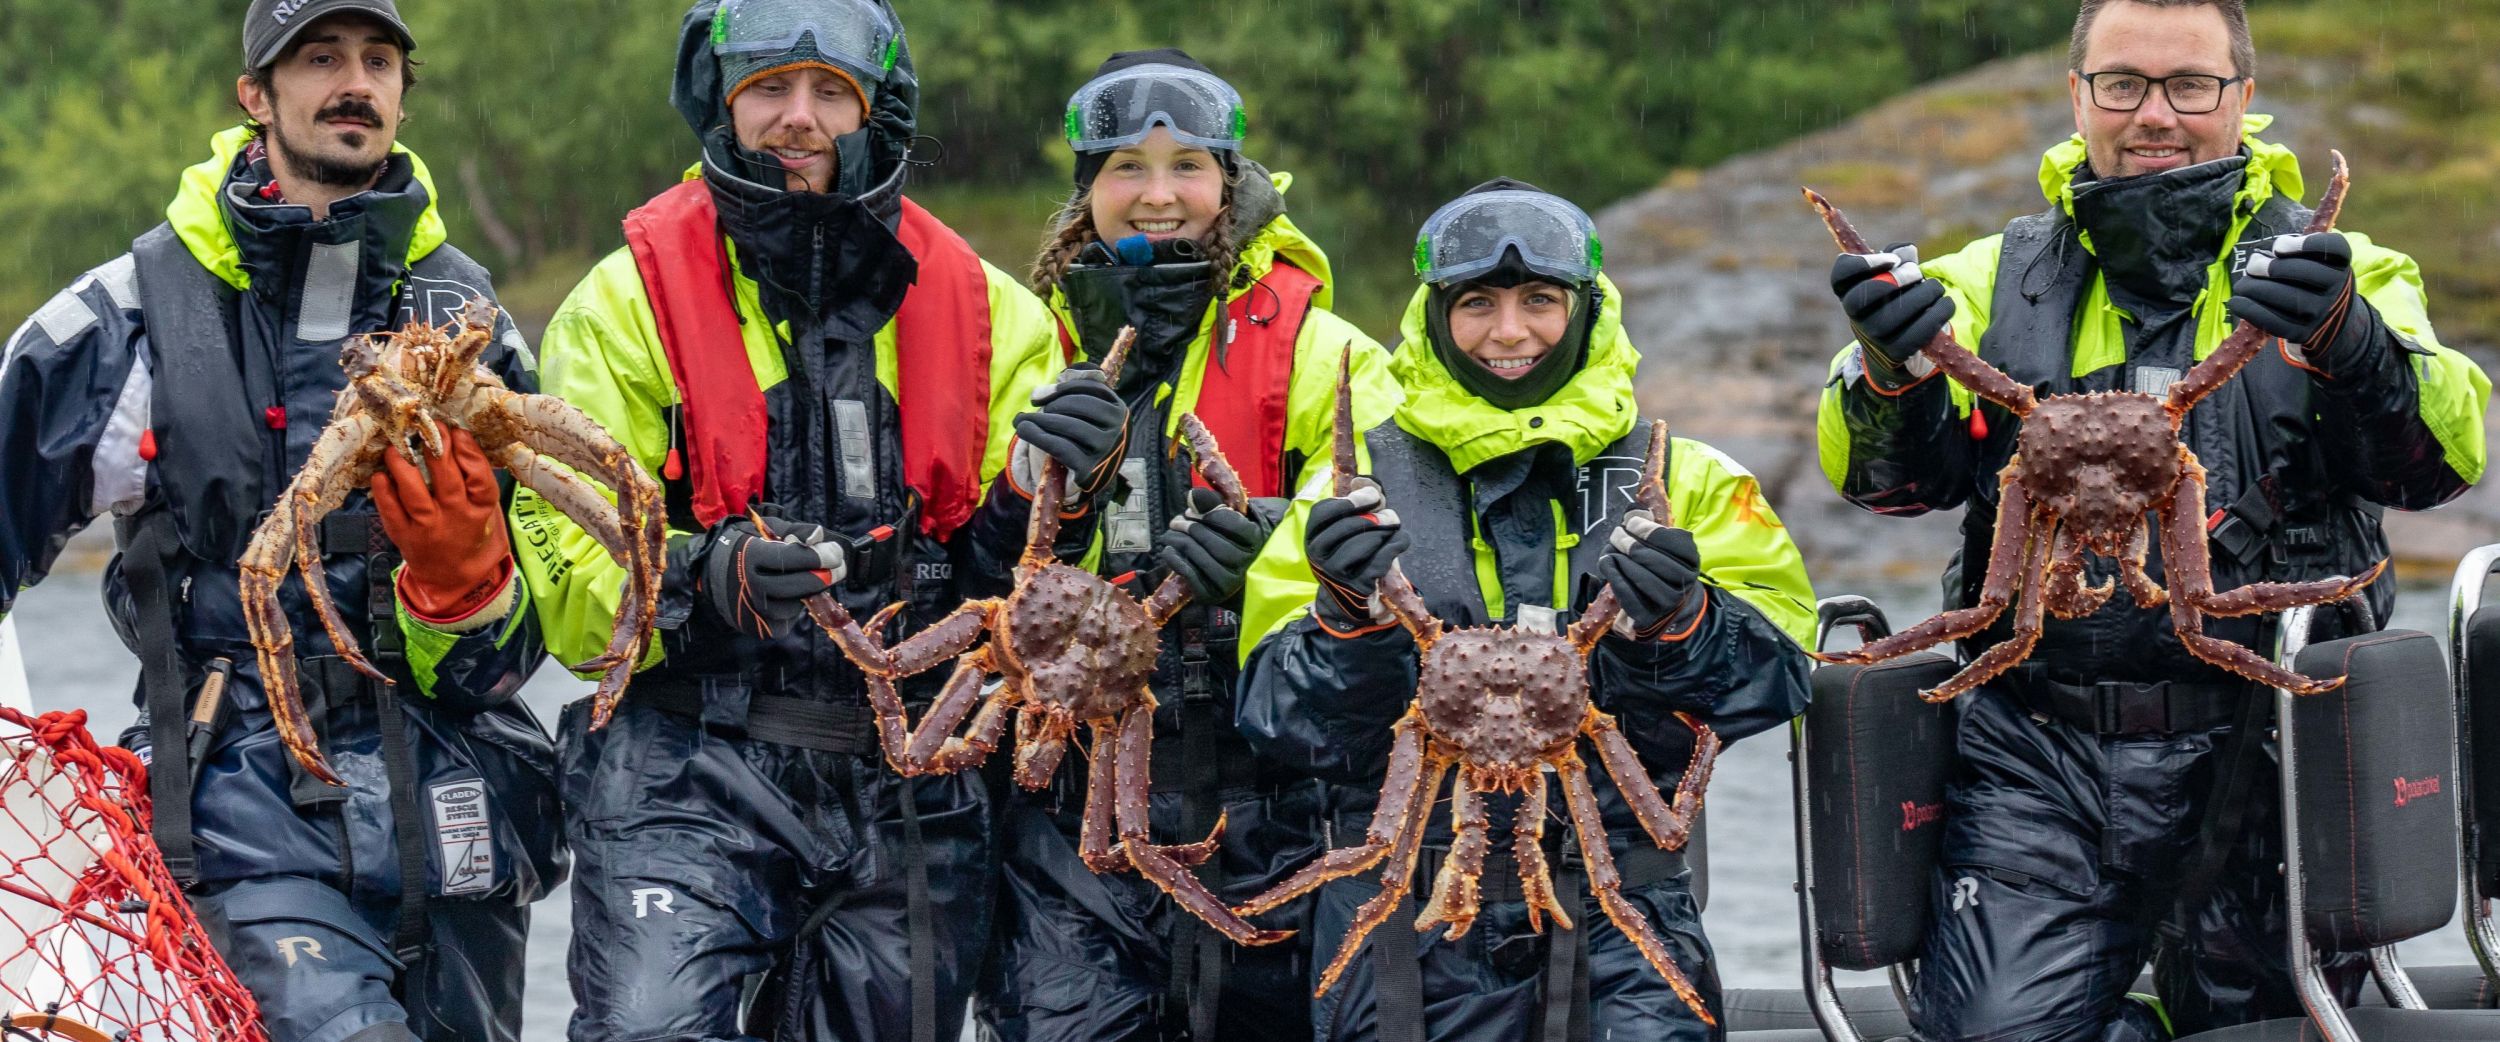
<point x="1501" y="706"/>
<point x="399" y="386"/>
<point x="2087" y="471"/>
<point x="1072" y="649"/>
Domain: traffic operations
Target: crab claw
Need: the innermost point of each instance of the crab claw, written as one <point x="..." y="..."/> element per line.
<point x="1192" y="855"/>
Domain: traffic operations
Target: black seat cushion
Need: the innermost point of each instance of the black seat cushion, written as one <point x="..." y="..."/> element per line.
<point x="1878" y="760"/>
<point x="2377" y="795"/>
<point x="2482" y="651"/>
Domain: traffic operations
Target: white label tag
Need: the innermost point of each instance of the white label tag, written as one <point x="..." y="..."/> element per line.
<point x="1536" y="618"/>
<point x="1126" y="530"/>
<point x="465" y="833"/>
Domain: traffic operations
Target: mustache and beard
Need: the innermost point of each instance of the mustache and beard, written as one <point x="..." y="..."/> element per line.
<point x="315" y="162"/>
<point x="805" y="142"/>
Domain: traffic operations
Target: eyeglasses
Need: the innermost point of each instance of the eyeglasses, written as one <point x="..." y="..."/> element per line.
<point x="2190" y="94"/>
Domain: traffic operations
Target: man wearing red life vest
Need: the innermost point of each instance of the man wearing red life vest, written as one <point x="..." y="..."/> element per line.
<point x="785" y="333"/>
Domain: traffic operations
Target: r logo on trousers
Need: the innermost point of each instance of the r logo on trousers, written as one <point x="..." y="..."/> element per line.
<point x="650" y="897"/>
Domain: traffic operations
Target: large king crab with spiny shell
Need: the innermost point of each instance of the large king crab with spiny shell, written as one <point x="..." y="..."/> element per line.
<point x="1501" y="706"/>
<point x="399" y="386"/>
<point x="1072" y="650"/>
<point x="2088" y="471"/>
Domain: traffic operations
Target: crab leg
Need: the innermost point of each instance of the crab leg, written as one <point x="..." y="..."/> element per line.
<point x="1607" y="885"/>
<point x="2246" y="340"/>
<point x="2183" y="548"/>
<point x="2258" y="598"/>
<point x="1395" y="591"/>
<point x="571" y="495"/>
<point x="2147" y="593"/>
<point x="1102" y="780"/>
<point x="1050" y="488"/>
<point x="342" y="459"/>
<point x="2066" y="596"/>
<point x="264" y="568"/>
<point x="881" y="666"/>
<point x="1649" y="495"/>
<point x="976" y="745"/>
<point x="1400" y="795"/>
<point x="1395" y="880"/>
<point x="1040" y="747"/>
<point x="1996" y="590"/>
<point x="1948" y="354"/>
<point x="1456" y="894"/>
<point x="581" y="502"/>
<point x="552" y="428"/>
<point x="1211" y="464"/>
<point x="1398" y="593"/>
<point x="2027" y="611"/>
<point x="1536" y="881"/>
<point x="1345" y="465"/>
<point x="1167" y="601"/>
<point x="1128" y="792"/>
<point x="1668" y="826"/>
<point x="954" y="702"/>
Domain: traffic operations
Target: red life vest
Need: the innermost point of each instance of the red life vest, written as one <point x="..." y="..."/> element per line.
<point x="942" y="378"/>
<point x="1243" y="397"/>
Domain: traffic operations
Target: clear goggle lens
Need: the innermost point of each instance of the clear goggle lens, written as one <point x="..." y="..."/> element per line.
<point x="858" y="35"/>
<point x="1469" y="236"/>
<point x="1120" y="109"/>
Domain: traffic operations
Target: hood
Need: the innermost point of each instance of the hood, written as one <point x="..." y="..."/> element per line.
<point x="2272" y="169"/>
<point x="200" y="222"/>
<point x="1267" y="235"/>
<point x="698" y="94"/>
<point x="1591" y="412"/>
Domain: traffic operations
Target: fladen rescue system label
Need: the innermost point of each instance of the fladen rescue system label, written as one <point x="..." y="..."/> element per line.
<point x="464" y="833"/>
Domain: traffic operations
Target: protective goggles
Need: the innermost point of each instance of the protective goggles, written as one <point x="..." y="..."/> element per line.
<point x="859" y="36"/>
<point x="1120" y="109"/>
<point x="1468" y="237"/>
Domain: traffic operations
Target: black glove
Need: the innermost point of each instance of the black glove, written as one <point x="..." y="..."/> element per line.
<point x="1656" y="574"/>
<point x="2300" y="288"/>
<point x="1351" y="543"/>
<point x="1896" y="317"/>
<point x="758" y="585"/>
<point x="1082" y="424"/>
<point x="1210" y="546"/>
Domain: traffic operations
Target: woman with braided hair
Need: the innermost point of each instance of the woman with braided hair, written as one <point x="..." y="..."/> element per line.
<point x="1173" y="230"/>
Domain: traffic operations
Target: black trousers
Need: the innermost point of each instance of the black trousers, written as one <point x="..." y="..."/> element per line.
<point x="2063" y="852"/>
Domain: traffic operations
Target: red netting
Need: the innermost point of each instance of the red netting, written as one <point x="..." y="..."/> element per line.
<point x="96" y="941"/>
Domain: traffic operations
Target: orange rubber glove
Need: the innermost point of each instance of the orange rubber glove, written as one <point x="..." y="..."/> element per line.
<point x="451" y="533"/>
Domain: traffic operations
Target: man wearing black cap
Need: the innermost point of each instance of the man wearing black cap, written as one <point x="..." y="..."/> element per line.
<point x="840" y="396"/>
<point x="177" y="388"/>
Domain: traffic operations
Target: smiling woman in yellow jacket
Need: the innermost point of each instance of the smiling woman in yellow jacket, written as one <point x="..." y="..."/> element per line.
<point x="1174" y="231"/>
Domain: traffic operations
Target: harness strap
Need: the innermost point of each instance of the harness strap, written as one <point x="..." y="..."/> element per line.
<point x="413" y="939"/>
<point x="2236" y="764"/>
<point x="921" y="920"/>
<point x="1565" y="1004"/>
<point x="1566" y="1000"/>
<point x="151" y="545"/>
<point x="1398" y="994"/>
<point x="1196" y="981"/>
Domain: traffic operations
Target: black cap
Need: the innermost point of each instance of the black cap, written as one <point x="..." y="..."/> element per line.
<point x="271" y="25"/>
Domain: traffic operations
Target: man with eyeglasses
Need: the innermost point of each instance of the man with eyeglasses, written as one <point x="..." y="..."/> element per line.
<point x="2112" y="806"/>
